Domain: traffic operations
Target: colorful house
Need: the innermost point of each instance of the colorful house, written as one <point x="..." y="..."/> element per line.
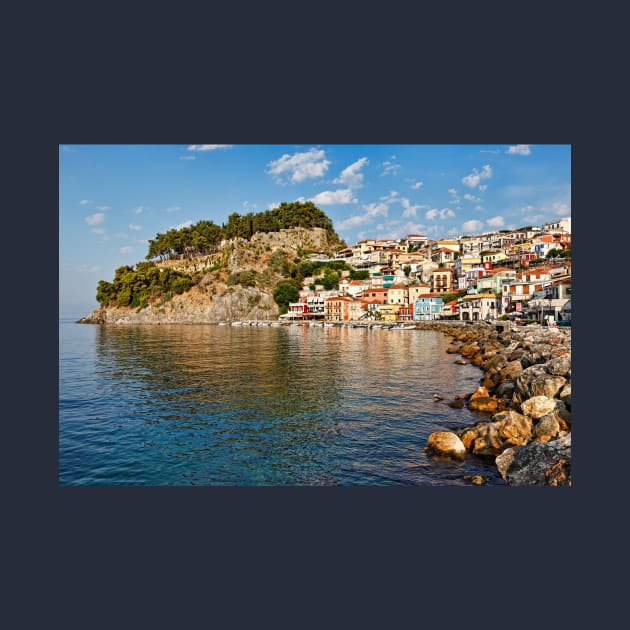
<point x="428" y="306"/>
<point x="479" y="307"/>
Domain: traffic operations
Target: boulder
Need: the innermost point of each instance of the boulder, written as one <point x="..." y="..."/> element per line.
<point x="469" y="351"/>
<point x="525" y="379"/>
<point x="445" y="443"/>
<point x="504" y="460"/>
<point x="484" y="403"/>
<point x="537" y="406"/>
<point x="538" y="464"/>
<point x="546" y="385"/>
<point x="458" y="403"/>
<point x="480" y="392"/>
<point x="461" y="362"/>
<point x="565" y="395"/>
<point x="505" y="389"/>
<point x="514" y="428"/>
<point x="510" y="371"/>
<point x="559" y="366"/>
<point x="547" y="428"/>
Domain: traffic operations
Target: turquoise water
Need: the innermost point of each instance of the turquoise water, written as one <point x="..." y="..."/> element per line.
<point x="221" y="405"/>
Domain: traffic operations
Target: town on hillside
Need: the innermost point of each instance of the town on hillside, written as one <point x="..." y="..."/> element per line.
<point x="523" y="274"/>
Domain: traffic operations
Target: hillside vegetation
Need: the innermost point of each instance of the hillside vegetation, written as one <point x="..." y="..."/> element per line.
<point x="261" y="252"/>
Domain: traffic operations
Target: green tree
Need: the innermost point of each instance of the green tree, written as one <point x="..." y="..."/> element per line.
<point x="286" y="291"/>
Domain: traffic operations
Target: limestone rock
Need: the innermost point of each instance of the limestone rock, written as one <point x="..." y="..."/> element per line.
<point x="504" y="460"/>
<point x="483" y="403"/>
<point x="514" y="428"/>
<point x="547" y="428"/>
<point x="446" y="444"/>
<point x="547" y="385"/>
<point x="559" y="366"/>
<point x="565" y="395"/>
<point x="480" y="392"/>
<point x="505" y="389"/>
<point x="538" y="464"/>
<point x="510" y="371"/>
<point x="537" y="406"/>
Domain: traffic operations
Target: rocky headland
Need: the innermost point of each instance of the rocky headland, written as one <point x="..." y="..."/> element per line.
<point x="525" y="394"/>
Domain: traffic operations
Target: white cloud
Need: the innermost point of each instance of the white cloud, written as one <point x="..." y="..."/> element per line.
<point x="561" y="209"/>
<point x="390" y="168"/>
<point x="372" y="210"/>
<point x="332" y="197"/>
<point x="95" y="219"/>
<point x="496" y="221"/>
<point x="299" y="166"/>
<point x="187" y="157"/>
<point x="138" y="210"/>
<point x="474" y="179"/>
<point x="472" y="226"/>
<point x="85" y="202"/>
<point x="490" y="151"/>
<point x="272" y="205"/>
<point x="246" y="204"/>
<point x="519" y="149"/>
<point x="391" y="197"/>
<point x="173" y="209"/>
<point x="98" y="230"/>
<point x="95" y="268"/>
<point x="208" y="147"/>
<point x="483" y="187"/>
<point x="126" y="250"/>
<point x="533" y="219"/>
<point x="351" y="176"/>
<point x="134" y="226"/>
<point x="408" y="209"/>
<point x="454" y="196"/>
<point x="416" y="185"/>
<point x="479" y="208"/>
<point x="453" y="232"/>
<point x="376" y="209"/>
<point x="181" y="225"/>
<point x="469" y="197"/>
<point x="103" y="207"/>
<point x="444" y="213"/>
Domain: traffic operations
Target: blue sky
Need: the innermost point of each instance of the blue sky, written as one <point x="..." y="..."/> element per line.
<point x="113" y="198"/>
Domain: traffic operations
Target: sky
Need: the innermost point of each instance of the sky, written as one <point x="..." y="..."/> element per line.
<point x="114" y="198"/>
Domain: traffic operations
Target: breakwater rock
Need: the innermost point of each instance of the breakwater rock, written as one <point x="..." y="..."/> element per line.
<point x="525" y="394"/>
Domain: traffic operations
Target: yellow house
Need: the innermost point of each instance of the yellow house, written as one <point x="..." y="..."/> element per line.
<point x="448" y="243"/>
<point x="494" y="257"/>
<point x="398" y="294"/>
<point x="389" y="312"/>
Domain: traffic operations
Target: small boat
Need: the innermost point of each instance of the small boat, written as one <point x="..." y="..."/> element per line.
<point x="403" y="327"/>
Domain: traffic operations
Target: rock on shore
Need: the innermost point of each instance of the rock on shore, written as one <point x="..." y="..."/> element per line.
<point x="526" y="385"/>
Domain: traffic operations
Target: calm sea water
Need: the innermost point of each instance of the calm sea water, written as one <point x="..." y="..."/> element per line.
<point x="221" y="405"/>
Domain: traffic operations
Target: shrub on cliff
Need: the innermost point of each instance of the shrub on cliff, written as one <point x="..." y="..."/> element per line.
<point x="286" y="291"/>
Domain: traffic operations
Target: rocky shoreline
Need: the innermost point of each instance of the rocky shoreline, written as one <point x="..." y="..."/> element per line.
<point x="525" y="392"/>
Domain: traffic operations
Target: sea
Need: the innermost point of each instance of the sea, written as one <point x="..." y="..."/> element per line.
<point x="210" y="405"/>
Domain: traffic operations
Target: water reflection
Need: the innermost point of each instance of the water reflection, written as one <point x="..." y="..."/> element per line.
<point x="258" y="406"/>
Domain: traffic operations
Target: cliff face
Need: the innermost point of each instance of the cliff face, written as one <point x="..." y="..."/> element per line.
<point x="217" y="297"/>
<point x="196" y="306"/>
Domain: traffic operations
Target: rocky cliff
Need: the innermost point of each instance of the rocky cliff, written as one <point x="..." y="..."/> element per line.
<point x="236" y="283"/>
